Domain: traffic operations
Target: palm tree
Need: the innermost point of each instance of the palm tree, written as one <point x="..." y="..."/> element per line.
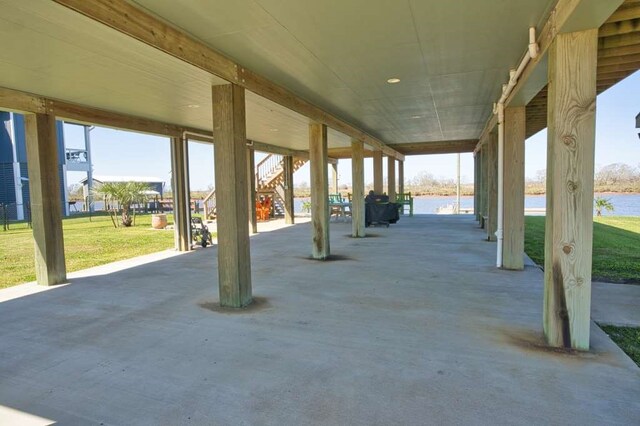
<point x="120" y="196"/>
<point x="602" y="203"/>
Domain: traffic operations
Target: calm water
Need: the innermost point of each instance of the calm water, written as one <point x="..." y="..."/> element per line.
<point x="625" y="205"/>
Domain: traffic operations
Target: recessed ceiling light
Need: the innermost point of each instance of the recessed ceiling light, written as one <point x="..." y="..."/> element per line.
<point x="274" y="129"/>
<point x="393" y="80"/>
<point x="193" y="106"/>
<point x="416" y="116"/>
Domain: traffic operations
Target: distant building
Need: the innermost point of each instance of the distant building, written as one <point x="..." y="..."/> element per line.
<point x="156" y="184"/>
<point x="14" y="176"/>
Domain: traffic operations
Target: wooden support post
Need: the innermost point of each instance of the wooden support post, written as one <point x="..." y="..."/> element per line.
<point x="288" y="190"/>
<point x="181" y="198"/>
<point x="475" y="185"/>
<point x="357" y="184"/>
<point x="401" y="177"/>
<point x="334" y="178"/>
<point x="319" y="190"/>
<point x="377" y="172"/>
<point x="570" y="164"/>
<point x="46" y="204"/>
<point x="229" y="132"/>
<point x="513" y="184"/>
<point x="492" y="187"/>
<point x="484" y="172"/>
<point x="391" y="179"/>
<point x="251" y="179"/>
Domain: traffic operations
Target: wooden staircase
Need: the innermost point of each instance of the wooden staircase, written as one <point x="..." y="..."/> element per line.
<point x="269" y="182"/>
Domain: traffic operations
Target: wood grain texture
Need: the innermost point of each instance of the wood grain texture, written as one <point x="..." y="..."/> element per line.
<point x="570" y="168"/>
<point x="377" y="172"/>
<point x="251" y="187"/>
<point x="357" y="184"/>
<point x="391" y="179"/>
<point x="513" y="184"/>
<point x="232" y="195"/>
<point x="492" y="186"/>
<point x="484" y="187"/>
<point x="46" y="204"/>
<point x="319" y="191"/>
<point x="289" y="216"/>
<point x="180" y="190"/>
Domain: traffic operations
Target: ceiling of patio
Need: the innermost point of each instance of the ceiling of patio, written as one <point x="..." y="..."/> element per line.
<point x="451" y="58"/>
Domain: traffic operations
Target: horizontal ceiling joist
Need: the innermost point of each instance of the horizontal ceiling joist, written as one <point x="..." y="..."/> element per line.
<point x="627" y="12"/>
<point x="418" y="148"/>
<point x="128" y="19"/>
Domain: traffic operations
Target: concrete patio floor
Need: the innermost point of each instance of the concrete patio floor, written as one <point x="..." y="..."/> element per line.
<point x="413" y="325"/>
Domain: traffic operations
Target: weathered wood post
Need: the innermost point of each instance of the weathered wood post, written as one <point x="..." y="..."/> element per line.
<point x="288" y="191"/>
<point x="377" y="171"/>
<point x="401" y="178"/>
<point x="46" y="204"/>
<point x="334" y="178"/>
<point x="319" y="190"/>
<point x="570" y="159"/>
<point x="229" y="132"/>
<point x="357" y="184"/>
<point x="513" y="217"/>
<point x="181" y="197"/>
<point x="391" y="179"/>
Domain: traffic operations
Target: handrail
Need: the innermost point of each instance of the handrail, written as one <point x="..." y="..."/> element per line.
<point x="209" y="203"/>
<point x="268" y="166"/>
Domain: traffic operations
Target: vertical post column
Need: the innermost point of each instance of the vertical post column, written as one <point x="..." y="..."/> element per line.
<point x="513" y="216"/>
<point x="391" y="179"/>
<point x="229" y="132"/>
<point x="181" y="198"/>
<point x="357" y="184"/>
<point x="46" y="207"/>
<point x="334" y="178"/>
<point x="570" y="164"/>
<point x="476" y="183"/>
<point x="251" y="180"/>
<point x="288" y="190"/>
<point x="319" y="190"/>
<point x="377" y="172"/>
<point x="484" y="171"/>
<point x="400" y="177"/>
<point x="492" y="187"/>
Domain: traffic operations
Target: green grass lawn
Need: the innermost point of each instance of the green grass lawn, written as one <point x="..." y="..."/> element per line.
<point x="87" y="243"/>
<point x="628" y="338"/>
<point x="616" y="243"/>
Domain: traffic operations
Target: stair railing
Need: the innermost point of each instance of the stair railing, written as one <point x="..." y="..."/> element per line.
<point x="267" y="167"/>
<point x="209" y="204"/>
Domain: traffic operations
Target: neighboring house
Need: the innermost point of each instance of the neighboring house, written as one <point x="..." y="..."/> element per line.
<point x="14" y="177"/>
<point x="156" y="184"/>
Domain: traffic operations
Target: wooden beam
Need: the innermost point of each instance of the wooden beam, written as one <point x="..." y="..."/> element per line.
<point x="334" y="178"/>
<point x="401" y="178"/>
<point x="618" y="51"/>
<point x="229" y="132"/>
<point x="22" y="102"/>
<point x="377" y="172"/>
<point x="46" y="204"/>
<point x="625" y="13"/>
<point x="319" y="190"/>
<point x="619" y="60"/>
<point x="437" y="147"/>
<point x="344" y="153"/>
<point x="181" y="197"/>
<point x="357" y="184"/>
<point x="391" y="179"/>
<point x="570" y="168"/>
<point x="133" y="21"/>
<point x="289" y="216"/>
<point x="622" y="40"/>
<point x="617" y="28"/>
<point x="513" y="185"/>
<point x="273" y="149"/>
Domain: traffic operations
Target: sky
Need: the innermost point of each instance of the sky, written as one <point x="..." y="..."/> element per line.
<point x="117" y="152"/>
